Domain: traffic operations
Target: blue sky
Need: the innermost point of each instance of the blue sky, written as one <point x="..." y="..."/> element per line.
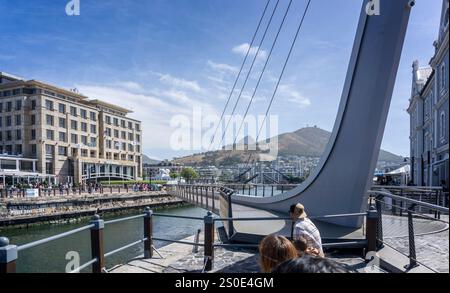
<point x="161" y="58"/>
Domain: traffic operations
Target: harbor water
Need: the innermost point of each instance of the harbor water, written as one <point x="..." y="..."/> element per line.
<point x="51" y="257"/>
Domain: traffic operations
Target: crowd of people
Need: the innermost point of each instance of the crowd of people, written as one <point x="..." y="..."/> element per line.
<point x="302" y="254"/>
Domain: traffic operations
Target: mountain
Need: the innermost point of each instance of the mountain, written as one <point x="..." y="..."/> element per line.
<point x="147" y="160"/>
<point x="307" y="142"/>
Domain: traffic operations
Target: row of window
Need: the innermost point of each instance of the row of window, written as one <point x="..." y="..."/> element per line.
<point x="122" y="146"/>
<point x="8" y="106"/>
<point x="74" y="111"/>
<point x="123" y="135"/>
<point x="9" y="121"/>
<point x="123" y="123"/>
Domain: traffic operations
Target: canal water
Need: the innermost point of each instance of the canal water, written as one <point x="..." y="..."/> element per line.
<point x="51" y="257"/>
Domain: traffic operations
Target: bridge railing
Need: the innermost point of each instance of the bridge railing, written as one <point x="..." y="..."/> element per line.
<point x="412" y="227"/>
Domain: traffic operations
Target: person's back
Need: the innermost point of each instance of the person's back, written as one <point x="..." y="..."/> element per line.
<point x="308" y="264"/>
<point x="305" y="228"/>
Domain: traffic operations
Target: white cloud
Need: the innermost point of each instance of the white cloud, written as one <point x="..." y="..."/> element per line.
<point x="221" y="67"/>
<point x="291" y="95"/>
<point x="155" y="110"/>
<point x="244" y="48"/>
<point x="130" y="85"/>
<point x="180" y="83"/>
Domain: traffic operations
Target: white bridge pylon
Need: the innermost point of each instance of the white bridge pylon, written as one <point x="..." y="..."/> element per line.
<point x="340" y="182"/>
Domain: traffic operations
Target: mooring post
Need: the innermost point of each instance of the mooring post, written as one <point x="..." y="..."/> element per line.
<point x="97" y="248"/>
<point x="209" y="241"/>
<point x="148" y="233"/>
<point x="8" y="256"/>
<point x="371" y="228"/>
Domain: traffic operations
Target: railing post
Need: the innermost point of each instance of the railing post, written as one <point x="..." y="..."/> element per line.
<point x="209" y="241"/>
<point x="412" y="243"/>
<point x="371" y="228"/>
<point x="380" y="237"/>
<point x="213" y="198"/>
<point x="97" y="248"/>
<point x="8" y="256"/>
<point x="148" y="233"/>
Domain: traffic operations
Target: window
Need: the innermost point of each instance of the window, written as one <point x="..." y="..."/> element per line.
<point x="443" y="78"/>
<point x="93" y="129"/>
<point x="33" y="104"/>
<point x="18" y="134"/>
<point x="62" y="151"/>
<point x="8" y="121"/>
<point x="33" y="119"/>
<point x="18" y="120"/>
<point x="93" y="116"/>
<point x="18" y="149"/>
<point x="108" y="120"/>
<point x="18" y="105"/>
<point x="62" y="122"/>
<point x="73" y="111"/>
<point x="123" y="135"/>
<point x="62" y="108"/>
<point x="33" y="150"/>
<point x="443" y="123"/>
<point x="116" y="122"/>
<point x="74" y="138"/>
<point x="49" y="149"/>
<point x="84" y="139"/>
<point x="109" y="144"/>
<point x="130" y="136"/>
<point x="8" y="106"/>
<point x="74" y="124"/>
<point x="130" y="147"/>
<point x="1" y="106"/>
<point x="124" y="146"/>
<point x="33" y="134"/>
<point x="49" y="119"/>
<point x="83" y="113"/>
<point x="49" y="105"/>
<point x="83" y="127"/>
<point x="108" y="131"/>
<point x="123" y="123"/>
<point x="130" y="125"/>
<point x="8" y="135"/>
<point x="93" y="142"/>
<point x="116" y="133"/>
<point x="138" y="138"/>
<point x="50" y="134"/>
<point x="62" y="137"/>
<point x="138" y="127"/>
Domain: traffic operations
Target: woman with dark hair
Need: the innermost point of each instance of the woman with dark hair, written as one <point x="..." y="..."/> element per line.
<point x="310" y="264"/>
<point x="275" y="250"/>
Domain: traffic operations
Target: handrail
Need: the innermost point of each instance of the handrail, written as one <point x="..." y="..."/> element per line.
<point x="124" y="219"/>
<point x="82" y="267"/>
<point x="177" y="241"/>
<point x="411" y="201"/>
<point x="108" y="254"/>
<point x="53" y="238"/>
<point x="178" y="217"/>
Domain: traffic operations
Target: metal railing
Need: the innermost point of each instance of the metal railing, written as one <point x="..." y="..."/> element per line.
<point x="401" y="219"/>
<point x="13" y="193"/>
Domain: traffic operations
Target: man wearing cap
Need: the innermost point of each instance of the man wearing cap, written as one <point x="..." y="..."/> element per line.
<point x="305" y="228"/>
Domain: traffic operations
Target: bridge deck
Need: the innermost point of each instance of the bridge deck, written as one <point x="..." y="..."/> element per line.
<point x="255" y="231"/>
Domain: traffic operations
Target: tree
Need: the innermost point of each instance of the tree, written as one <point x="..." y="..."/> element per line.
<point x="189" y="174"/>
<point x="174" y="175"/>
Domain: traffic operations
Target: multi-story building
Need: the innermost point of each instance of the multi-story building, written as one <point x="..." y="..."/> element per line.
<point x="71" y="137"/>
<point x="429" y="110"/>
